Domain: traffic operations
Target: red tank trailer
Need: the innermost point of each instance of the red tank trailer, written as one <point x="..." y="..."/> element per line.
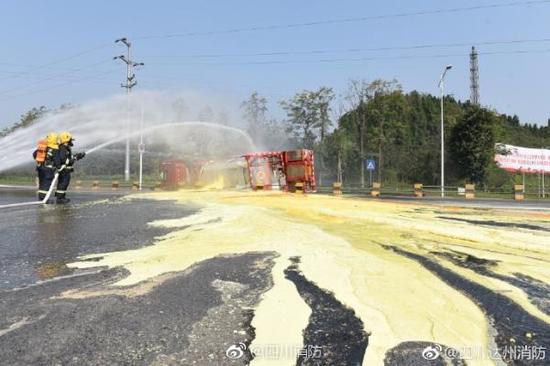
<point x="300" y="168"/>
<point x="281" y="169"/>
<point x="174" y="174"/>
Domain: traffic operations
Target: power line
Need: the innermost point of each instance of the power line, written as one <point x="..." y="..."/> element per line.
<point x="33" y="69"/>
<point x="306" y="24"/>
<point x="331" y="60"/>
<point x="295" y="25"/>
<point x="349" y="20"/>
<point x="98" y="76"/>
<point x="92" y="77"/>
<point x="354" y="50"/>
<point x="73" y="56"/>
<point x="307" y="52"/>
<point x="19" y="73"/>
<point x="56" y="76"/>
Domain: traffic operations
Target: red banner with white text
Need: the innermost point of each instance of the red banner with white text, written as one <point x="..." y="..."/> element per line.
<point x="522" y="159"/>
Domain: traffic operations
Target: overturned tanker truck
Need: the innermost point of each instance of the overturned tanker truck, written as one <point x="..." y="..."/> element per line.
<point x="284" y="170"/>
<point x="266" y="170"/>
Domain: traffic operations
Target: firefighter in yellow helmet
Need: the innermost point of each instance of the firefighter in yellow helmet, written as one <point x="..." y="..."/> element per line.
<point x="67" y="161"/>
<point x="47" y="161"/>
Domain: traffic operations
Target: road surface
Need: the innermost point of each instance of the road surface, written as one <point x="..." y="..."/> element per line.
<point x="237" y="277"/>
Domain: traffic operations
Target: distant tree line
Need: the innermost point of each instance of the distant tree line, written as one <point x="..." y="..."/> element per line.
<point x="375" y="119"/>
<point x="401" y="131"/>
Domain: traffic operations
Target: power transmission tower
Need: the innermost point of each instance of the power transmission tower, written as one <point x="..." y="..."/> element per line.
<point x="474" y="78"/>
<point x="130" y="83"/>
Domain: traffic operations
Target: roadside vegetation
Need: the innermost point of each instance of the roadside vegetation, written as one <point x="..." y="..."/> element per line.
<point x="370" y="120"/>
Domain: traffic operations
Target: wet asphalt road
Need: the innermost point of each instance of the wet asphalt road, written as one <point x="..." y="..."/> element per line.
<point x="37" y="241"/>
<point x="190" y="317"/>
<point x="186" y="318"/>
<point x="183" y="321"/>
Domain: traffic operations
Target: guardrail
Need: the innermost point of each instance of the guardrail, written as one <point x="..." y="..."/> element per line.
<point x="435" y="191"/>
<point x="113" y="185"/>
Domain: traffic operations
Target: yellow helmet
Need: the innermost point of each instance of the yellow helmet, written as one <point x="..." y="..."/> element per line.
<point x="65" y="137"/>
<point x="51" y="140"/>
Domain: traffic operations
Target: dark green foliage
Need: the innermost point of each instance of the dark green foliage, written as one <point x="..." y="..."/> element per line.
<point x="402" y="131"/>
<point x="308" y="116"/>
<point x="472" y="144"/>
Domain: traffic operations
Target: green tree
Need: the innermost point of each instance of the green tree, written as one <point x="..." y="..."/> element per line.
<point x="254" y="112"/>
<point x="308" y="115"/>
<point x="323" y="97"/>
<point x="472" y="144"/>
<point x="360" y="95"/>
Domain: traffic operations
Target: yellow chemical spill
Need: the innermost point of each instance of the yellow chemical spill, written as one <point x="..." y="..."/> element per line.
<point x="342" y="244"/>
<point x="283" y="304"/>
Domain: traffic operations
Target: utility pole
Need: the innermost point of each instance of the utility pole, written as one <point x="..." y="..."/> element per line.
<point x="474" y="78"/>
<point x="441" y="87"/>
<point x="130" y="83"/>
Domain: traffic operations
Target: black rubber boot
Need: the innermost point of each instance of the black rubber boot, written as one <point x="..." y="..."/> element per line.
<point x="62" y="200"/>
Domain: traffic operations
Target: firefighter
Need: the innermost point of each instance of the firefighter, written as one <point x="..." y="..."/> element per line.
<point x="67" y="160"/>
<point x="47" y="160"/>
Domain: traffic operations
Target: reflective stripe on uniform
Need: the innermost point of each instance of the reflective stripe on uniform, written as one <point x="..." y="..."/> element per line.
<point x="58" y="191"/>
<point x="42" y="191"/>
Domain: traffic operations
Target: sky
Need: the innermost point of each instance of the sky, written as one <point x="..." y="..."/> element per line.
<point x="55" y="52"/>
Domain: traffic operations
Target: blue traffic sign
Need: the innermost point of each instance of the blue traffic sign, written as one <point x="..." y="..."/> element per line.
<point x="371" y="164"/>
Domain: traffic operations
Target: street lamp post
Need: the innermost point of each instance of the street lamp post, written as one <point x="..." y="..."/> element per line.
<point x="441" y="87"/>
<point x="141" y="149"/>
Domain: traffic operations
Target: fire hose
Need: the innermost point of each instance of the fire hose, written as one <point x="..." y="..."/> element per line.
<point x="46" y="198"/>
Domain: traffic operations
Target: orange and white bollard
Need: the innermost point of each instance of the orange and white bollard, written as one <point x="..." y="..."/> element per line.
<point x="519" y="192"/>
<point x="470" y="193"/>
<point x="375" y="191"/>
<point x="337" y="188"/>
<point x="418" y="190"/>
